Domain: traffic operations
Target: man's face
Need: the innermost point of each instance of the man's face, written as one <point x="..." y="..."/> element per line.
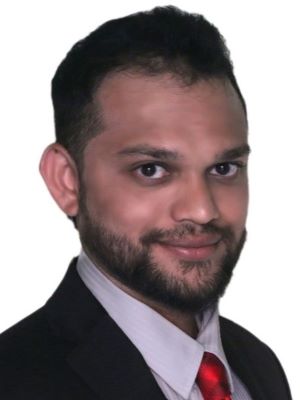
<point x="164" y="188"/>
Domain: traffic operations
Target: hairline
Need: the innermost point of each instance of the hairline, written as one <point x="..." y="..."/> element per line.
<point x="96" y="120"/>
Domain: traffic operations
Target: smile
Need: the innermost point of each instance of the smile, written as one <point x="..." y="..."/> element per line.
<point x="194" y="249"/>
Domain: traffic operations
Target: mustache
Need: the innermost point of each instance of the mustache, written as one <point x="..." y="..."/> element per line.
<point x="186" y="230"/>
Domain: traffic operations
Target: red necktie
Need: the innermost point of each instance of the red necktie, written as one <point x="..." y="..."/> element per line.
<point x="212" y="379"/>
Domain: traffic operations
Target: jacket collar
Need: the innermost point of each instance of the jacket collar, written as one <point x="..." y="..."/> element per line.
<point x="98" y="346"/>
<point x="242" y="358"/>
<point x="102" y="355"/>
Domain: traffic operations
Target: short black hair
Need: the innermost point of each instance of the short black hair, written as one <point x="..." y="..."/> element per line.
<point x="165" y="39"/>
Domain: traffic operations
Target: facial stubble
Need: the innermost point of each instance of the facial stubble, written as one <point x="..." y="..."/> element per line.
<point x="133" y="265"/>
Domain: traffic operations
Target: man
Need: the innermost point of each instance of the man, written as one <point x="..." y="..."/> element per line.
<point x="150" y="163"/>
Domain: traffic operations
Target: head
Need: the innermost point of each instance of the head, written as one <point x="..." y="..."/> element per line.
<point x="151" y="152"/>
<point x="164" y="40"/>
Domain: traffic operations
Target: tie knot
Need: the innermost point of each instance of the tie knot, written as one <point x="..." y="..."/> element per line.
<point x="212" y="378"/>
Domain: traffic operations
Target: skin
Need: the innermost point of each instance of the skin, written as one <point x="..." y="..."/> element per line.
<point x="199" y="179"/>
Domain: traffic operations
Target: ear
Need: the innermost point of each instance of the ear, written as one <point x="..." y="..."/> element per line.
<point x="60" y="175"/>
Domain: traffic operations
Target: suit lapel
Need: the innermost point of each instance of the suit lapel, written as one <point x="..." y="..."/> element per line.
<point x="240" y="360"/>
<point x="243" y="370"/>
<point x="109" y="363"/>
<point x="103" y="357"/>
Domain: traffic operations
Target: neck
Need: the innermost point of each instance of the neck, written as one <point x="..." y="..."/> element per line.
<point x="183" y="320"/>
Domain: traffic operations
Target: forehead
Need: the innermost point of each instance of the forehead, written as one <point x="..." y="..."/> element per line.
<point x="162" y="111"/>
<point x="123" y="90"/>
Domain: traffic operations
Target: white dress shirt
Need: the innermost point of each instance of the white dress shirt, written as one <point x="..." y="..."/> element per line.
<point x="172" y="356"/>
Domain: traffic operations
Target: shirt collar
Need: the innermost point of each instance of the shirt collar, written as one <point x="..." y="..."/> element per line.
<point x="167" y="350"/>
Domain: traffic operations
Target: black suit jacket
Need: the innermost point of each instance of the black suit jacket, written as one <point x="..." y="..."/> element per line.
<point x="71" y="349"/>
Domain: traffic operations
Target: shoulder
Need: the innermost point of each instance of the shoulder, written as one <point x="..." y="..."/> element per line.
<point x="35" y="353"/>
<point x="29" y="338"/>
<point x="32" y="358"/>
<point x="236" y="331"/>
<point x="236" y="336"/>
<point x="24" y="336"/>
<point x="248" y="356"/>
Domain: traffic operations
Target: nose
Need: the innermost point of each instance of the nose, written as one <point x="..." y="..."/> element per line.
<point x="194" y="202"/>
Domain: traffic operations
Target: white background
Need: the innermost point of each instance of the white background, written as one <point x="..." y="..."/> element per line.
<point x="37" y="241"/>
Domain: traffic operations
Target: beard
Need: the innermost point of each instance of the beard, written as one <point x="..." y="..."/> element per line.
<point x="134" y="266"/>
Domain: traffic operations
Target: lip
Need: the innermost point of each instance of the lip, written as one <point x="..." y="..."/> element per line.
<point x="193" y="249"/>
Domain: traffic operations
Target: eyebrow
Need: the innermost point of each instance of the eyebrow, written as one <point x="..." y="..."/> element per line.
<point x="235" y="152"/>
<point x="171" y="155"/>
<point x="146" y="150"/>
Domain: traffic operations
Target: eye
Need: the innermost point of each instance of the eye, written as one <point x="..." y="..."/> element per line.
<point x="226" y="169"/>
<point x="152" y="171"/>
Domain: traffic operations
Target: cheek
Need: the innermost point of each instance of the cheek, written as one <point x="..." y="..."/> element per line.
<point x="123" y="209"/>
<point x="233" y="205"/>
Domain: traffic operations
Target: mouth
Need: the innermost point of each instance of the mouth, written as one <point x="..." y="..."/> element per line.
<point x="192" y="249"/>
